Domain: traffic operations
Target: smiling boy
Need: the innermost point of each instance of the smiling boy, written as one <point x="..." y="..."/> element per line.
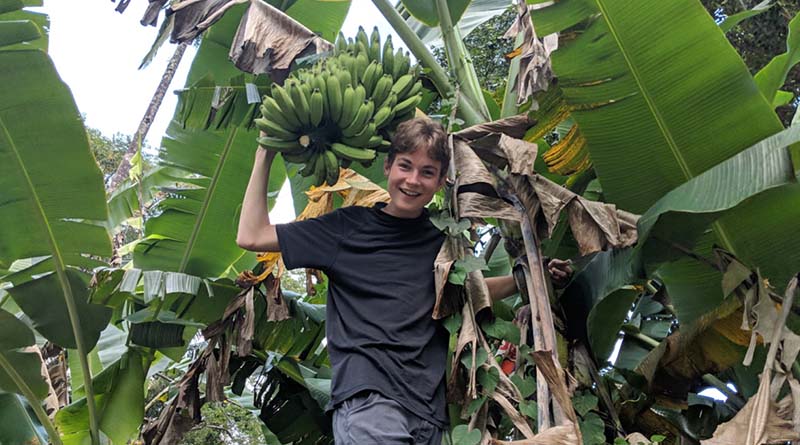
<point x="387" y="353"/>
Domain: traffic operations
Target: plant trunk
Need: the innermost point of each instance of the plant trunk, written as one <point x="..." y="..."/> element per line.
<point x="144" y="126"/>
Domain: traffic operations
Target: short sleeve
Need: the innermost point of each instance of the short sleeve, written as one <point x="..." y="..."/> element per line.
<point x="311" y="243"/>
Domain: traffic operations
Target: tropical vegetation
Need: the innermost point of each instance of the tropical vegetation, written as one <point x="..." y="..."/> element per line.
<point x="633" y="140"/>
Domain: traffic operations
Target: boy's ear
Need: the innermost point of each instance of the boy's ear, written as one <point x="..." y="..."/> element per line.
<point x="387" y="165"/>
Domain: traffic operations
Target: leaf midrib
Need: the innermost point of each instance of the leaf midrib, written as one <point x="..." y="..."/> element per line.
<point x="662" y="126"/>
<point x="201" y="215"/>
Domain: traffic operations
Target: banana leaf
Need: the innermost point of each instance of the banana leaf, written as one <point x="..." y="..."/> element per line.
<point x="761" y="174"/>
<point x="770" y="78"/>
<point x="661" y="97"/>
<point x="476" y="13"/>
<point x="196" y="230"/>
<point x="53" y="199"/>
<point x="17" y="425"/>
<point x="124" y="203"/>
<point x="426" y="11"/>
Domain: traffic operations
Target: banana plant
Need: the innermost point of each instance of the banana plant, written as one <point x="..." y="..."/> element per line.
<point x="58" y="223"/>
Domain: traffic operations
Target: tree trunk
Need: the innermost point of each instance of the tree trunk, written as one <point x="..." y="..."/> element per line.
<point x="149" y="115"/>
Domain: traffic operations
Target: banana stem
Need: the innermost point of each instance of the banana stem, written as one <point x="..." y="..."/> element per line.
<point x="462" y="68"/>
<point x="33" y="402"/>
<point x="438" y="76"/>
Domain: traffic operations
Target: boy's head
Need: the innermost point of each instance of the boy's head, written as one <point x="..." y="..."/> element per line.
<point x="416" y="166"/>
<point x="421" y="133"/>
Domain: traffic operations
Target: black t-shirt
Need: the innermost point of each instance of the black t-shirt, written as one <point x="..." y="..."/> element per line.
<point x="380" y="332"/>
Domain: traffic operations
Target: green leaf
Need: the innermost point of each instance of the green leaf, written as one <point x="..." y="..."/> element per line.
<point x="453" y="323"/>
<point x="770" y="78"/>
<point x="584" y="403"/>
<point x="124" y="203"/>
<point x="462" y="435"/>
<point x="488" y="379"/>
<point x="606" y="318"/>
<point x="491" y="103"/>
<point x="732" y="20"/>
<point x="502" y="330"/>
<point x="17" y="426"/>
<point x="630" y="65"/>
<point x="50" y="314"/>
<point x="782" y="98"/>
<point x="20" y="372"/>
<point x="477" y="12"/>
<point x="526" y="386"/>
<point x="593" y="430"/>
<point x="529" y="409"/>
<point x="323" y="17"/>
<point x="40" y="127"/>
<point x="425" y="10"/>
<point x="480" y="357"/>
<point x="198" y="222"/>
<point x="18" y="31"/>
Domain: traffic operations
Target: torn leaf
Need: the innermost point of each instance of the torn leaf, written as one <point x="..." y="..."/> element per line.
<point x="268" y="41"/>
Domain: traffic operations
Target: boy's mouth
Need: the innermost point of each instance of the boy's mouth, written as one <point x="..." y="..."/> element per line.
<point x="409" y="193"/>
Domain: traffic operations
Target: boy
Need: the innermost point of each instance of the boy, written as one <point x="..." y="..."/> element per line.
<point x="387" y="353"/>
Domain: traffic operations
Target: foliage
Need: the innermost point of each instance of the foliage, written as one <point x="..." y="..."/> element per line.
<point x="224" y="423"/>
<point x="760" y="38"/>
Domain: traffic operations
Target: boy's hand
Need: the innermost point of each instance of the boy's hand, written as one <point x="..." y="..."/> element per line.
<point x="560" y="272"/>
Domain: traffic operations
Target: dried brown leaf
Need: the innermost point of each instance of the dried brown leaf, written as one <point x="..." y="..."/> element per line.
<point x="448" y="295"/>
<point x="535" y="70"/>
<point x="268" y="41"/>
<point x="559" y="435"/>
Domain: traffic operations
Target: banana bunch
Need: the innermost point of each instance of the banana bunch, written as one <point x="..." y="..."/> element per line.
<point x="339" y="111"/>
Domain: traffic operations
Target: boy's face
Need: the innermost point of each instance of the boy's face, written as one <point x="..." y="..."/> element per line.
<point x="413" y="180"/>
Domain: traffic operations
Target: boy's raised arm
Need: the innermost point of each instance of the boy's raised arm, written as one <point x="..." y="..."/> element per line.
<point x="256" y="233"/>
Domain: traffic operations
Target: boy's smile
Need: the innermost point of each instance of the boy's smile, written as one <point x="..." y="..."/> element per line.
<point x="413" y="179"/>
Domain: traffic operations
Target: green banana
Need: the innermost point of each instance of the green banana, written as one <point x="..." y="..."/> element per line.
<point x="349" y="106"/>
<point x="403" y="85"/>
<point x="390" y="101"/>
<point x="311" y="165"/>
<point x="317" y="106"/>
<point x="388" y="56"/>
<point x="375" y="45"/>
<point x="286" y="105"/>
<point x="371" y="76"/>
<point x="272" y="111"/>
<point x="352" y="153"/>
<point x="362" y="138"/>
<point x="361" y="37"/>
<point x="404" y="61"/>
<point x="318" y="174"/>
<point x="362" y="60"/>
<point x="345" y="78"/>
<point x="301" y="106"/>
<point x="341" y="43"/>
<point x="361" y="119"/>
<point x="415" y="89"/>
<point x="374" y="141"/>
<point x="280" y="145"/>
<point x="300" y="157"/>
<point x="275" y="130"/>
<point x="334" y="95"/>
<point x="361" y="94"/>
<point x="407" y="105"/>
<point x="382" y="89"/>
<point x="397" y="68"/>
<point x="383" y="116"/>
<point x="331" y="168"/>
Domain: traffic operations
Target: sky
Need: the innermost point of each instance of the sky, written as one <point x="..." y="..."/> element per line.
<point x="97" y="52"/>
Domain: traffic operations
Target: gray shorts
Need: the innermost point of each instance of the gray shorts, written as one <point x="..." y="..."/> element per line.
<point x="370" y="418"/>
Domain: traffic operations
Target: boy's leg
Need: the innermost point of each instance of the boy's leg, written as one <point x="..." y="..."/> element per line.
<point x="370" y="418"/>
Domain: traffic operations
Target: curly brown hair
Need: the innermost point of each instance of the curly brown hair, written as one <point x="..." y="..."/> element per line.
<point x="424" y="133"/>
